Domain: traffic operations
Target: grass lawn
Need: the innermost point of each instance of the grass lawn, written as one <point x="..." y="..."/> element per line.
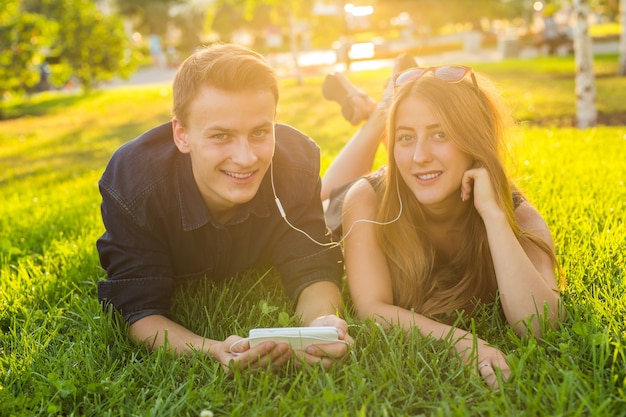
<point x="61" y="356"/>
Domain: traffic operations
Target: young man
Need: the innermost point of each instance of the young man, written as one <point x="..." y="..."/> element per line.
<point x="197" y="198"/>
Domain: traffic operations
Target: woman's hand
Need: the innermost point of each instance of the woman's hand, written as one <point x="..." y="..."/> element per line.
<point x="487" y="360"/>
<point x="491" y="359"/>
<point x="477" y="180"/>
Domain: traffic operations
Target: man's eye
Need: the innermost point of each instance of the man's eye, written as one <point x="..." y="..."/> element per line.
<point x="258" y="133"/>
<point x="219" y="136"/>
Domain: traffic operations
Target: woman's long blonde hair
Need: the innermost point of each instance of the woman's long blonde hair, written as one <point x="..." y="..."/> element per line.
<point x="474" y="119"/>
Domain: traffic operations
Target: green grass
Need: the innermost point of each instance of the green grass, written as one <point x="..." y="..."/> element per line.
<point x="60" y="355"/>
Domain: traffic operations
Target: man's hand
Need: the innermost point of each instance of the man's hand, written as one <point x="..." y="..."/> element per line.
<point x="328" y="353"/>
<point x="233" y="354"/>
<point x="156" y="331"/>
<point x="316" y="304"/>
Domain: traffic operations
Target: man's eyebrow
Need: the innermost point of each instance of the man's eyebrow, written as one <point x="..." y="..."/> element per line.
<point x="263" y="125"/>
<point x="218" y="128"/>
<point x="215" y="130"/>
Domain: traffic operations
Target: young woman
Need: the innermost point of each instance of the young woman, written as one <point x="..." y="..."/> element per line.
<point x="443" y="227"/>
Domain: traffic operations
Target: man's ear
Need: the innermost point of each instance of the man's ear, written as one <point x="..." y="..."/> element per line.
<point x="180" y="136"/>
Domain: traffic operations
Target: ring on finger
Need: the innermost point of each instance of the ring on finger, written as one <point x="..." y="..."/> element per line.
<point x="482" y="365"/>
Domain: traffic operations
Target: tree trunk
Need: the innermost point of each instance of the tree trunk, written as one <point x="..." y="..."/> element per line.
<point x="586" y="113"/>
<point x="294" y="48"/>
<point x="622" y="40"/>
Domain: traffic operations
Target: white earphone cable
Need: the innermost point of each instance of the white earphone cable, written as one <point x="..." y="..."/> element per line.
<point x="345" y="235"/>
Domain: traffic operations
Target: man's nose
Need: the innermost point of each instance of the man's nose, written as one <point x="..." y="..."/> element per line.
<point x="242" y="153"/>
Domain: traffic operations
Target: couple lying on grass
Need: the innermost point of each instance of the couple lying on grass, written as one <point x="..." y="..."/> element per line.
<point x="222" y="188"/>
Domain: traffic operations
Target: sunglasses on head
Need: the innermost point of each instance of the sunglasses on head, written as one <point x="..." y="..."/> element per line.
<point x="447" y="73"/>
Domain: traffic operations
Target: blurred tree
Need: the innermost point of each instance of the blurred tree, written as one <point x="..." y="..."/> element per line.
<point x="189" y="19"/>
<point x="88" y="46"/>
<point x="23" y="39"/>
<point x="326" y="29"/>
<point x="292" y="10"/>
<point x="437" y="13"/>
<point x="263" y="16"/>
<point x="224" y="18"/>
<point x="586" y="112"/>
<point x="622" y="40"/>
<point x="607" y="8"/>
<point x="148" y="16"/>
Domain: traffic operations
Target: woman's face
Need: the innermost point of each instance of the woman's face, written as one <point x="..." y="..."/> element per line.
<point x="429" y="162"/>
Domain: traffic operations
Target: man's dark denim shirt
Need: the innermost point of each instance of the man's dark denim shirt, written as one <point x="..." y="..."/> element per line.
<point x="159" y="231"/>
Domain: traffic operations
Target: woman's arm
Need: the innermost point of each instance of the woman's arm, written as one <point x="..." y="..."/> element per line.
<point x="371" y="288"/>
<point x="357" y="156"/>
<point x="524" y="269"/>
<point x="525" y="274"/>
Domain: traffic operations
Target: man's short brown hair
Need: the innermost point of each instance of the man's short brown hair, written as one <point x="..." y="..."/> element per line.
<point x="228" y="67"/>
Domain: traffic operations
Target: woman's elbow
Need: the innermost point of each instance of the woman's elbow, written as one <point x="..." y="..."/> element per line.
<point x="538" y="323"/>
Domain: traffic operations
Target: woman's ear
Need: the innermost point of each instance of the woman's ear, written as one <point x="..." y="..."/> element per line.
<point x="180" y="136"/>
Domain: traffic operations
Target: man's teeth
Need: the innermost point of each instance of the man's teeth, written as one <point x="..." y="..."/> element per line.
<point x="239" y="176"/>
<point x="429" y="176"/>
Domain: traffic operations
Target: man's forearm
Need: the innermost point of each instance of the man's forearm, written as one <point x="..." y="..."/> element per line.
<point x="319" y="299"/>
<point x="156" y="331"/>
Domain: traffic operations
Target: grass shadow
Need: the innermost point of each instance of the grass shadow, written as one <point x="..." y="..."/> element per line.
<point x="41" y="104"/>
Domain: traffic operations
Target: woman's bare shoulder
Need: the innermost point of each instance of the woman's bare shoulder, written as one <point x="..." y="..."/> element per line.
<point x="362" y="192"/>
<point x="531" y="221"/>
<point x="361" y="199"/>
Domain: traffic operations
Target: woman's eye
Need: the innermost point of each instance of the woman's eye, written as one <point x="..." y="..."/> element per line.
<point x="404" y="138"/>
<point x="439" y="136"/>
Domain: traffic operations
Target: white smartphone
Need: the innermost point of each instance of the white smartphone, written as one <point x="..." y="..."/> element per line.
<point x="297" y="337"/>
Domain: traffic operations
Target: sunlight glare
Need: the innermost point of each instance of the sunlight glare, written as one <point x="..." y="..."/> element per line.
<point x="358" y="11"/>
<point x="362" y="50"/>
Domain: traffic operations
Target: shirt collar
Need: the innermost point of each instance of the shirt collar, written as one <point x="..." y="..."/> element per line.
<point x="193" y="210"/>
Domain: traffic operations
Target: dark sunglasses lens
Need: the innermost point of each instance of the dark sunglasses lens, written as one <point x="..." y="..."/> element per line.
<point x="450" y="73"/>
<point x="409" y="76"/>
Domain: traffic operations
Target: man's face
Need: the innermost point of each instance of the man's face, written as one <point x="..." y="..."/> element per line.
<point x="230" y="139"/>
